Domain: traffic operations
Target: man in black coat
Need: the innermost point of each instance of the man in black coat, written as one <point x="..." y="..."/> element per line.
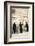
<point x="20" y="27"/>
<point x="14" y="27"/>
<point x="27" y="26"/>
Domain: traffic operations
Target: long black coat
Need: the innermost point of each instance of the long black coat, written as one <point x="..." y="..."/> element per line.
<point x="27" y="26"/>
<point x="14" y="27"/>
<point x="20" y="28"/>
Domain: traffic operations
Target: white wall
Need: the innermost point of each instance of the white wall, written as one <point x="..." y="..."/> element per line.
<point x="2" y="26"/>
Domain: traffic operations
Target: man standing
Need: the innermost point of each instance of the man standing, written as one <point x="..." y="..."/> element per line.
<point x="20" y="27"/>
<point x="14" y="27"/>
<point x="27" y="26"/>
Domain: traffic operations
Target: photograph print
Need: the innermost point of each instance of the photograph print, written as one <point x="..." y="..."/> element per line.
<point x="19" y="19"/>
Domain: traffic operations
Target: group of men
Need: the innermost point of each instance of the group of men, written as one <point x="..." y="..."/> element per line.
<point x="20" y="25"/>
